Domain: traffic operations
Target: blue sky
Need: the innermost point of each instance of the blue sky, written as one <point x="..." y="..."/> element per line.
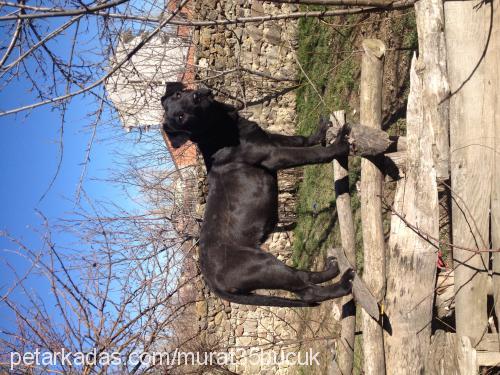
<point x="29" y="156"/>
<point x="30" y="146"/>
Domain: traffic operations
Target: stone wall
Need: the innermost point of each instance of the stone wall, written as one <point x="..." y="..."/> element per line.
<point x="252" y="66"/>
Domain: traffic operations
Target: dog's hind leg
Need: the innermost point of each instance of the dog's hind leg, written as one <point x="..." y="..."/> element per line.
<point x="253" y="269"/>
<point x="330" y="272"/>
<point x="307" y="289"/>
<point x="316" y="293"/>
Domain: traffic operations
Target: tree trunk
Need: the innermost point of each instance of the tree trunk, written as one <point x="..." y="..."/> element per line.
<point x="345" y="353"/>
<point x="493" y="61"/>
<point x="371" y="205"/>
<point x="472" y="32"/>
<point x="411" y="262"/>
<point x="432" y="52"/>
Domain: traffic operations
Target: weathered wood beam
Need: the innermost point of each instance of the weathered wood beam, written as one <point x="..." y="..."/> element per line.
<point x="367" y="141"/>
<point x="441" y="359"/>
<point x="472" y="43"/>
<point x="449" y="355"/>
<point x="487" y="359"/>
<point x="371" y="205"/>
<point x="345" y="351"/>
<point x="495" y="198"/>
<point x="377" y="3"/>
<point x="360" y="291"/>
<point x="489" y="343"/>
<point x="435" y="88"/>
<point x="395" y="164"/>
<point x="466" y="356"/>
<point x="384" y="151"/>
<point x="445" y="293"/>
<point x="411" y="260"/>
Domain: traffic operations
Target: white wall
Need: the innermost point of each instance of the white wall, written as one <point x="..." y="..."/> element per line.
<point x="136" y="88"/>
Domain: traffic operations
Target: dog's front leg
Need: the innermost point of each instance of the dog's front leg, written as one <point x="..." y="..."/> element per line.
<point x="281" y="140"/>
<point x="317" y="138"/>
<point x="289" y="157"/>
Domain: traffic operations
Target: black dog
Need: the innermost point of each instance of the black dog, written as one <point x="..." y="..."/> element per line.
<point x="242" y="204"/>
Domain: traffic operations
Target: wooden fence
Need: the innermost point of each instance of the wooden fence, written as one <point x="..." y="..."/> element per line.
<point x="401" y="271"/>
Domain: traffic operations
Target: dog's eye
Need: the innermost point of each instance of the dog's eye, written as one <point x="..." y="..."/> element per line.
<point x="180" y="117"/>
<point x="195" y="97"/>
<point x="178" y="94"/>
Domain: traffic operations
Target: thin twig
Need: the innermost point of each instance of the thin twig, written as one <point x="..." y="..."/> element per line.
<point x="63" y="12"/>
<point x="431" y="239"/>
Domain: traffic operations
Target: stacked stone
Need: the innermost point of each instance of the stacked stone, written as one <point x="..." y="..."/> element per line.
<point x="226" y="57"/>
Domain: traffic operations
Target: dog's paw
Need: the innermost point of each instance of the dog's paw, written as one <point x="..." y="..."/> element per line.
<point x="341" y="143"/>
<point x="347" y="278"/>
<point x="319" y="136"/>
<point x="331" y="262"/>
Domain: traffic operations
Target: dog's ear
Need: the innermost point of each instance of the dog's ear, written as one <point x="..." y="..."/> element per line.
<point x="231" y="110"/>
<point x="172" y="88"/>
<point x="177" y="139"/>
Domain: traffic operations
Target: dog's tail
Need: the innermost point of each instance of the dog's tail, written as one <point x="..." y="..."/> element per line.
<point x="260" y="300"/>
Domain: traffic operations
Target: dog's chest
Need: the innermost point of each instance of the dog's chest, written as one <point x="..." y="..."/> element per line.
<point x="242" y="203"/>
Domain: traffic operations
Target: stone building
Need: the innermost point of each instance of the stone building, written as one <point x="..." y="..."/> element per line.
<point x="136" y="89"/>
<point x="138" y="85"/>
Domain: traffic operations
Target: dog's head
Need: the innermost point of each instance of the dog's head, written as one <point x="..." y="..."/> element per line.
<point x="187" y="112"/>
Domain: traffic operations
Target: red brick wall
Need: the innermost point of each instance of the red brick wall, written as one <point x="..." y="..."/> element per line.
<point x="187" y="154"/>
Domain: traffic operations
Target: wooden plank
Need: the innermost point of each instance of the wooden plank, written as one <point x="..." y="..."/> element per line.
<point x="489" y="343"/>
<point x="493" y="60"/>
<point x="471" y="32"/>
<point x="395" y="164"/>
<point x="466" y="357"/>
<point x="411" y="260"/>
<point x="435" y="89"/>
<point x="371" y="205"/>
<point x="387" y="153"/>
<point x="445" y="293"/>
<point x="366" y="140"/>
<point x="488" y="359"/>
<point x="441" y="358"/>
<point x="360" y="291"/>
<point x="449" y="356"/>
<point x="345" y="347"/>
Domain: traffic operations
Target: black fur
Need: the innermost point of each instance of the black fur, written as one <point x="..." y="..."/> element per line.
<point x="242" y="204"/>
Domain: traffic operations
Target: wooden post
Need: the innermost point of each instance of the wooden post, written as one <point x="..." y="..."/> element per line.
<point x="371" y="205"/>
<point x="435" y="89"/>
<point x="411" y="261"/>
<point x="466" y="357"/>
<point x="345" y="350"/>
<point x="495" y="200"/>
<point x="472" y="42"/>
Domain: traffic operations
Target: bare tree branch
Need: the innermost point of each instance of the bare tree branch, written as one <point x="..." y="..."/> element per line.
<point x="116" y="67"/>
<point x="63" y="12"/>
<point x="12" y="43"/>
<point x="380" y="3"/>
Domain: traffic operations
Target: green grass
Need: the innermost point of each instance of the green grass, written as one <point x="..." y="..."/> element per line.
<point x="317" y="225"/>
<point x="330" y="70"/>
